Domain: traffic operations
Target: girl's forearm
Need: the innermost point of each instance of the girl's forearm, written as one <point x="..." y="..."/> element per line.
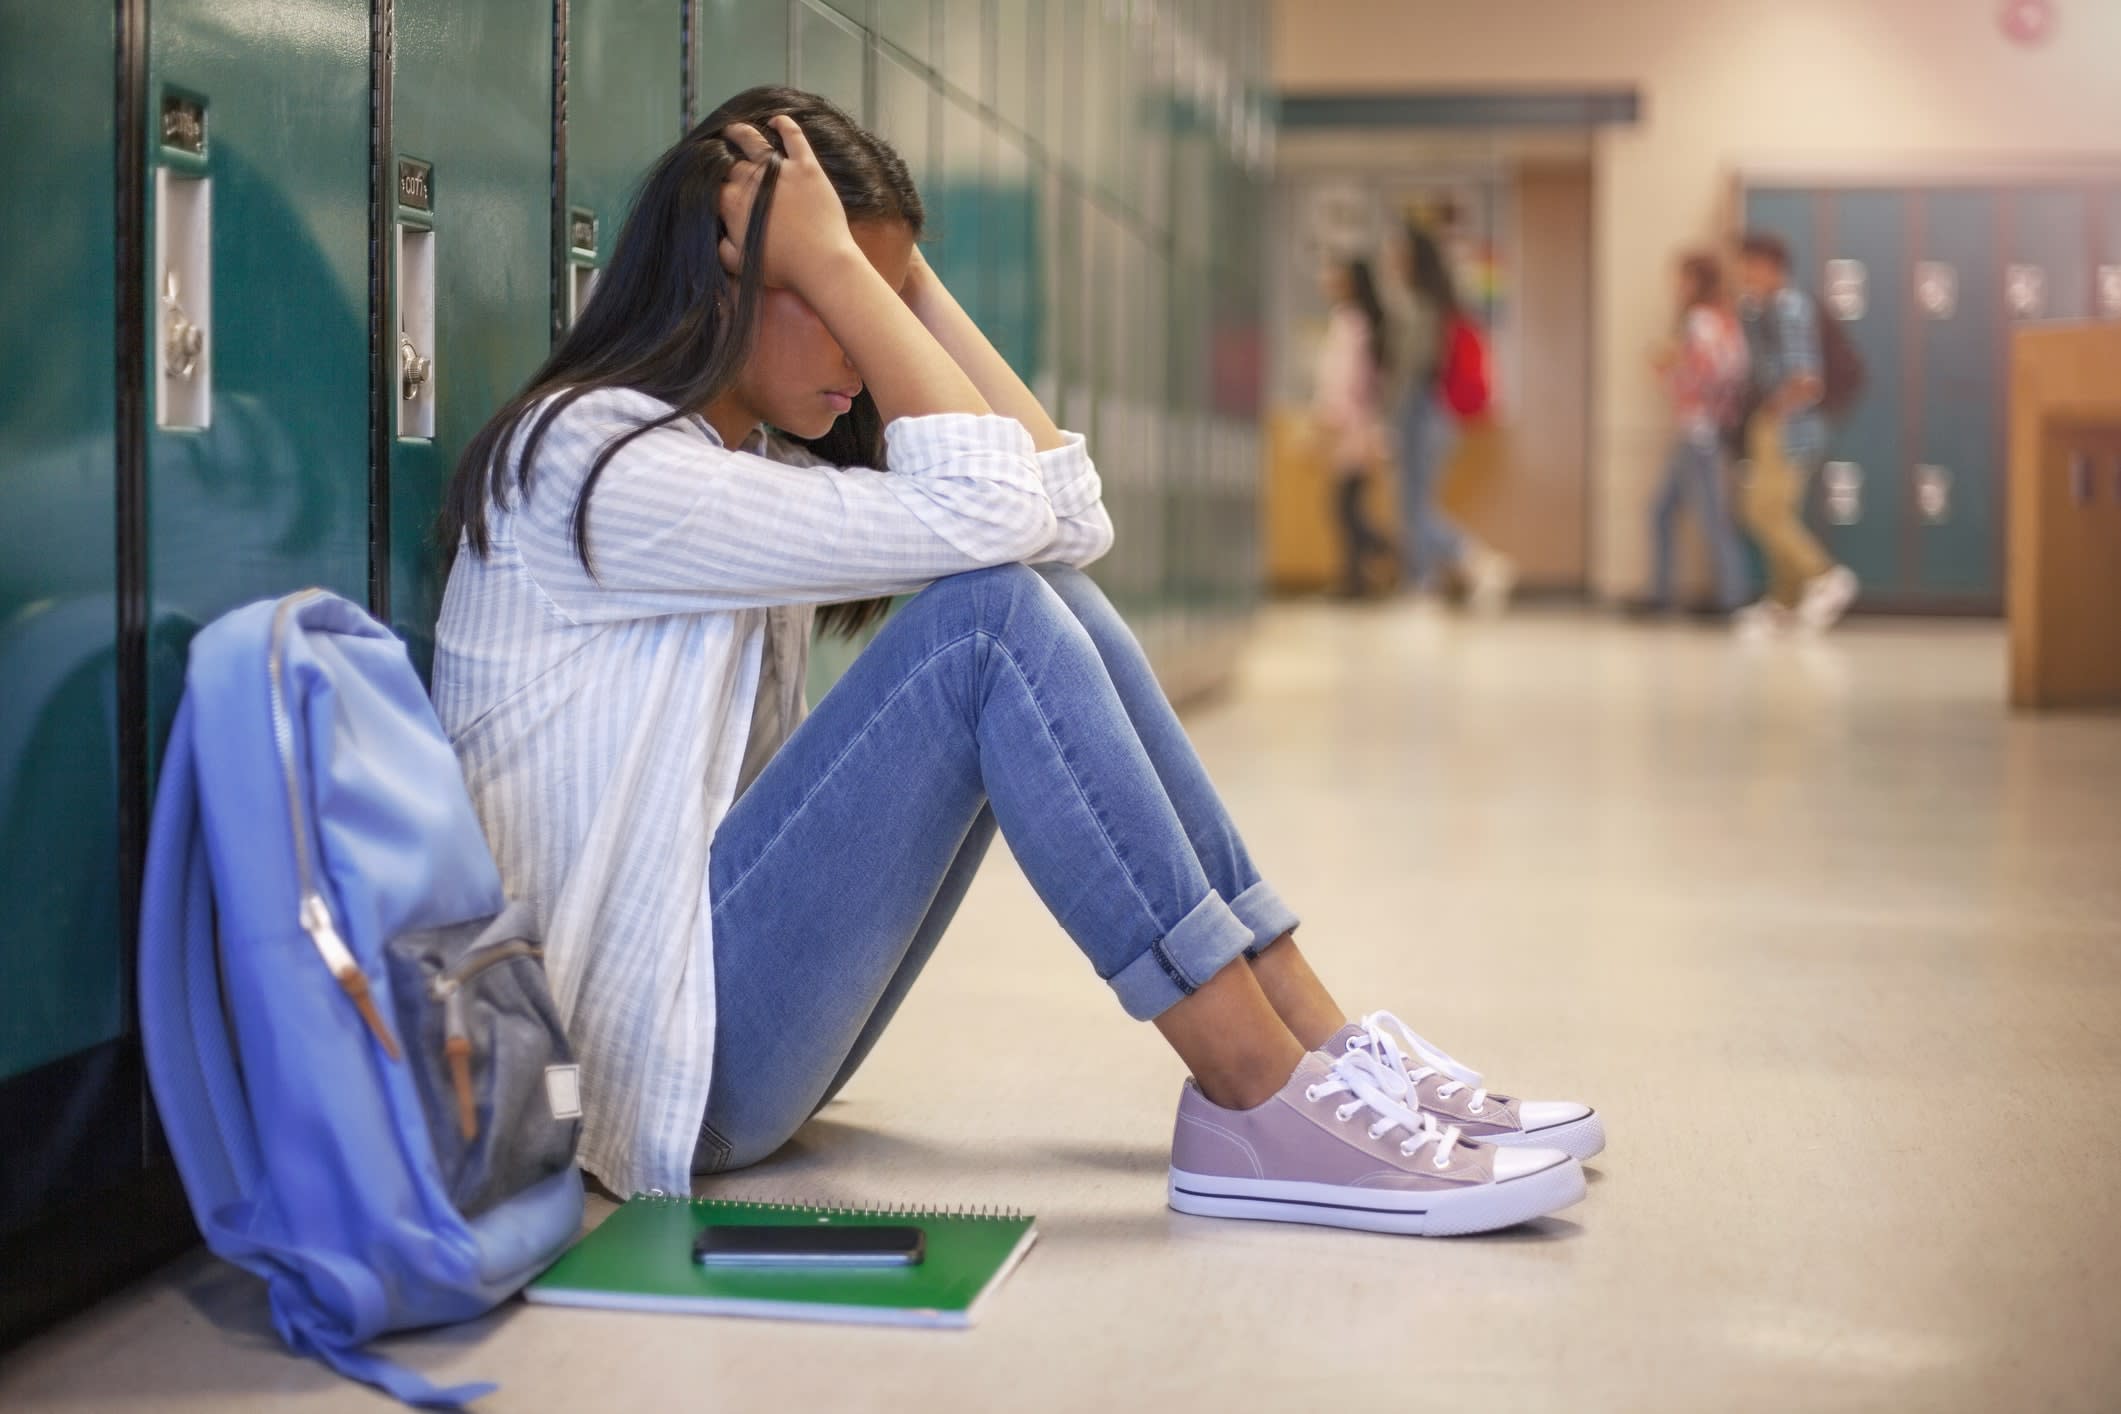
<point x="939" y="311"/>
<point x="907" y="369"/>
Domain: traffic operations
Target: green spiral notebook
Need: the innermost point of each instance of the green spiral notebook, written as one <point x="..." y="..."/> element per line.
<point x="640" y="1259"/>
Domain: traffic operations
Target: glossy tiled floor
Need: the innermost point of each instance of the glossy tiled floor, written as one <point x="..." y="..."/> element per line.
<point x="1833" y="941"/>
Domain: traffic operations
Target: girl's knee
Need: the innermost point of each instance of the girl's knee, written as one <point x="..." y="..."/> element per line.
<point x="994" y="599"/>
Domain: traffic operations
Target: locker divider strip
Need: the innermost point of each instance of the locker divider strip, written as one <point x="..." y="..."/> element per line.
<point x="130" y="449"/>
<point x="558" y="242"/>
<point x="382" y="215"/>
<point x="688" y="82"/>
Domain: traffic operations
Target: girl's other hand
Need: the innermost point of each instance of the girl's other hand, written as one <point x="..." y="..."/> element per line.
<point x="806" y="230"/>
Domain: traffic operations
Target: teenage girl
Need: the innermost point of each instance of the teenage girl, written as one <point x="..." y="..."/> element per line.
<point x="1703" y="369"/>
<point x="1347" y="390"/>
<point x="771" y="415"/>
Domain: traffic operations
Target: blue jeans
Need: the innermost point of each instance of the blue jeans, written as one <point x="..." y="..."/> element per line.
<point x="1694" y="472"/>
<point x="1428" y="431"/>
<point x="1010" y="697"/>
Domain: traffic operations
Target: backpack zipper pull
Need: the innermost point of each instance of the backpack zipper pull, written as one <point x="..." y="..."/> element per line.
<point x="456" y="1048"/>
<point x="316" y="921"/>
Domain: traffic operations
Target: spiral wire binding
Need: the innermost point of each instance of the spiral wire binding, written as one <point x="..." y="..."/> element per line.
<point x="981" y="1212"/>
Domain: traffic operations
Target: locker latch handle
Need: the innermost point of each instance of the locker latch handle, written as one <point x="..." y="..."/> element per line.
<point x="183" y="341"/>
<point x="414" y="370"/>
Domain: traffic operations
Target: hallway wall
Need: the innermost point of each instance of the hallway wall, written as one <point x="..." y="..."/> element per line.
<point x="1895" y="85"/>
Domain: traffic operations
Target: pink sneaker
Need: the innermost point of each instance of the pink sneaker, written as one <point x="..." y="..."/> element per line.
<point x="1437" y="1085"/>
<point x="1334" y="1147"/>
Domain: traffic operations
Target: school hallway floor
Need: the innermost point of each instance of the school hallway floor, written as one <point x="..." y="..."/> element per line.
<point x="1832" y="940"/>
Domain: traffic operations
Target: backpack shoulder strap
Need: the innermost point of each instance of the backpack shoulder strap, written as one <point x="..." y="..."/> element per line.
<point x="191" y="1065"/>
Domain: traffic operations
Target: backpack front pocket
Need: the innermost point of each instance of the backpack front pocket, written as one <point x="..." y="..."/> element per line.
<point x="498" y="1085"/>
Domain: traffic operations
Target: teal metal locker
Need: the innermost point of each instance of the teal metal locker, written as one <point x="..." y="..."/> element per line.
<point x="1862" y="283"/>
<point x="956" y="201"/>
<point x="908" y="24"/>
<point x="1957" y="379"/>
<point x="258" y="197"/>
<point x="468" y="316"/>
<point x="831" y="57"/>
<point x="2047" y="255"/>
<point x="63" y="987"/>
<point x="963" y="56"/>
<point x="905" y="115"/>
<point x="739" y="44"/>
<point x="1019" y="61"/>
<point x="1011" y="227"/>
<point x="2107" y="252"/>
<point x="625" y="106"/>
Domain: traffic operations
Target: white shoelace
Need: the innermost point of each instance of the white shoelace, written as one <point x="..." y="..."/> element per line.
<point x="1360" y="1076"/>
<point x="1393" y="1052"/>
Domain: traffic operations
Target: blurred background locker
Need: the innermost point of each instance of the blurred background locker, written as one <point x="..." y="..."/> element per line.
<point x="1928" y="277"/>
<point x="378" y="214"/>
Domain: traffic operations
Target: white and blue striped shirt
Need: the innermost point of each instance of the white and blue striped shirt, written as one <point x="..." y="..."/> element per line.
<point x="602" y="721"/>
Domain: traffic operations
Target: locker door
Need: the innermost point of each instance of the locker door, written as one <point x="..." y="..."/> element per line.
<point x="1858" y="508"/>
<point x="831" y="57"/>
<point x="963" y="49"/>
<point x="258" y="196"/>
<point x="955" y="205"/>
<point x="907" y="24"/>
<point x="905" y="118"/>
<point x="1957" y="369"/>
<point x="62" y="983"/>
<point x="471" y="262"/>
<point x="1012" y="231"/>
<point x="2106" y="303"/>
<point x="2047" y="266"/>
<point x="740" y="44"/>
<point x="1018" y="63"/>
<point x="624" y="107"/>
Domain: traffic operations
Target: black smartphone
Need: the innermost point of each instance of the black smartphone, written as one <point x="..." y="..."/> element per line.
<point x="813" y="1245"/>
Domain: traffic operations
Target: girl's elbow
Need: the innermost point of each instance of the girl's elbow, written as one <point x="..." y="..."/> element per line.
<point x="1032" y="531"/>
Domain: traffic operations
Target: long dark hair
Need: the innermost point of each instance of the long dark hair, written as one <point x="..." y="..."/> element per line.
<point x="667" y="320"/>
<point x="1362" y="290"/>
<point x="1704" y="281"/>
<point x="1430" y="275"/>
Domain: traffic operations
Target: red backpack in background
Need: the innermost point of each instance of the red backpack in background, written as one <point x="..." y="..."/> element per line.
<point x="1464" y="375"/>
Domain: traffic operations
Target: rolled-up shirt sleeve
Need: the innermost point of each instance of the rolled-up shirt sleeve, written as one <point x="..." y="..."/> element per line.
<point x="678" y="523"/>
<point x="1082" y="531"/>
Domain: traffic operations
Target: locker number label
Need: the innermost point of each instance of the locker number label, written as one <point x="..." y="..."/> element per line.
<point x="2025" y="291"/>
<point x="183" y="124"/>
<point x="1937" y="289"/>
<point x="416" y="185"/>
<point x="1846" y="297"/>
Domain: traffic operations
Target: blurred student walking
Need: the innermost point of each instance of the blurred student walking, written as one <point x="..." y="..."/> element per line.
<point x="1704" y="372"/>
<point x="1786" y="444"/>
<point x="1435" y="546"/>
<point x="1347" y="402"/>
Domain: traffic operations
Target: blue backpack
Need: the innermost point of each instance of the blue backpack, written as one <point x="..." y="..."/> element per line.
<point x="361" y="1072"/>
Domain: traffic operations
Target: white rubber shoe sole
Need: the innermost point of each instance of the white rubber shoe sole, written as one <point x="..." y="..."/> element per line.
<point x="1579" y="1139"/>
<point x="1538" y="1182"/>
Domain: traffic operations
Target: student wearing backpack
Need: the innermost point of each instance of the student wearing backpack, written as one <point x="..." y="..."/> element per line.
<point x="1445" y="373"/>
<point x="771" y="415"/>
<point x="1704" y="371"/>
<point x="1795" y="384"/>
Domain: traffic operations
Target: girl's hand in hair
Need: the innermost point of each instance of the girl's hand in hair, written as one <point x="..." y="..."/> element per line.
<point x="806" y="227"/>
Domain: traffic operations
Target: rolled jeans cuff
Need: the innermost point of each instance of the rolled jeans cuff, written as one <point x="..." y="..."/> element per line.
<point x="1174" y="967"/>
<point x="1263" y="911"/>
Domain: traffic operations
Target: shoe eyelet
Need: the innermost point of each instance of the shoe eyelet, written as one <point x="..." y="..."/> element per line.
<point x="1344" y="1113"/>
<point x="1477" y="1109"/>
<point x="1439" y="1164"/>
<point x="1311" y="1093"/>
